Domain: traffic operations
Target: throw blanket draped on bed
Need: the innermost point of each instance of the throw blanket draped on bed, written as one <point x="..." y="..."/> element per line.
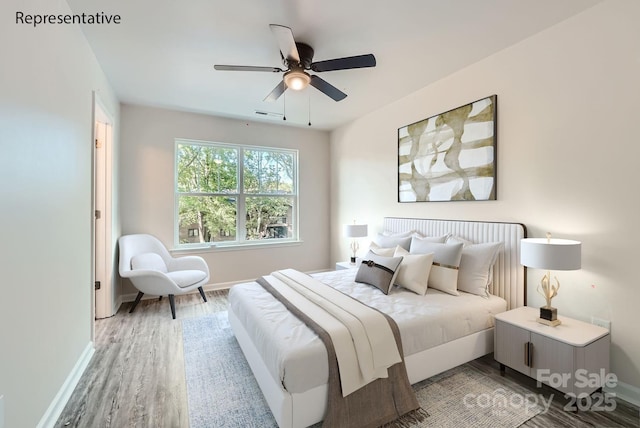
<point x="368" y="384"/>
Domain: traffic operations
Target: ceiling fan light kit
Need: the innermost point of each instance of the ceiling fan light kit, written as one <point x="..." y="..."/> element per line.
<point x="298" y="57"/>
<point x="296" y="79"/>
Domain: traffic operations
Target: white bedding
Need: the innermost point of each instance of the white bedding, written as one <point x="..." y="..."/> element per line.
<point x="296" y="357"/>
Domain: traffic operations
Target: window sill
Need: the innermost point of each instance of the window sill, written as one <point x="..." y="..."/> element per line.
<point x="212" y="248"/>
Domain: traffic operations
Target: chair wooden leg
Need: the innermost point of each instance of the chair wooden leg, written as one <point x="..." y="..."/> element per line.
<point x="172" y="302"/>
<point x="135" y="303"/>
<point x="202" y="294"/>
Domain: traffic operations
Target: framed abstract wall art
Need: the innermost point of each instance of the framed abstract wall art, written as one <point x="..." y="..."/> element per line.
<point x="450" y="156"/>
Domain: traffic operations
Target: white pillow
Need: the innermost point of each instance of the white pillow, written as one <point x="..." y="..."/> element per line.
<point x="476" y="266"/>
<point x="446" y="262"/>
<point x="401" y="234"/>
<point x="455" y="239"/>
<point x="413" y="272"/>
<point x="416" y="242"/>
<point x="386" y="252"/>
<point x="148" y="261"/>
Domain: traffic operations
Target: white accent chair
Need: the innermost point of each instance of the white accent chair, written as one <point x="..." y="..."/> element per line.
<point x="152" y="270"/>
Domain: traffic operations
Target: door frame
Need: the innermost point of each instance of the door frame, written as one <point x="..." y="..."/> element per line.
<point x="102" y="245"/>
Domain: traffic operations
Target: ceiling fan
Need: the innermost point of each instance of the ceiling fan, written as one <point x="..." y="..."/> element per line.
<point x="298" y="57"/>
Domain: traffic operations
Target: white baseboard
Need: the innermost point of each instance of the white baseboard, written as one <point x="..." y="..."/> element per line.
<point x="56" y="407"/>
<point x="626" y="392"/>
<point x="118" y="304"/>
<point x="209" y="287"/>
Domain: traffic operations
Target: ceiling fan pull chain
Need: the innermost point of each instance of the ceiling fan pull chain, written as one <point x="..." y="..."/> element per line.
<point x="309" y="109"/>
<point x="284" y="107"/>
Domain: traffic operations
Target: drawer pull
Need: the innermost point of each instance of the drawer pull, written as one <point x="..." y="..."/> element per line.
<point x="528" y="354"/>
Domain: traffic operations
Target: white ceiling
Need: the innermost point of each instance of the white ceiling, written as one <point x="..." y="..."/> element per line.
<point x="163" y="52"/>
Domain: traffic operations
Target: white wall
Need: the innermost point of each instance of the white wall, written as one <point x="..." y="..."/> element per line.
<point x="567" y="160"/>
<point x="147" y="186"/>
<point x="47" y="78"/>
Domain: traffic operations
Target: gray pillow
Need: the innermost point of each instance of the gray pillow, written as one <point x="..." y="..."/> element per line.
<point x="378" y="271"/>
<point x="393" y="241"/>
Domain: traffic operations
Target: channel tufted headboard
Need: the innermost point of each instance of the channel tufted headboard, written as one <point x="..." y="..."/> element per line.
<point x="509" y="276"/>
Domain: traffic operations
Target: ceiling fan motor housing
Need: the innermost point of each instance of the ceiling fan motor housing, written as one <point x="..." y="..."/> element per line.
<point x="305" y="52"/>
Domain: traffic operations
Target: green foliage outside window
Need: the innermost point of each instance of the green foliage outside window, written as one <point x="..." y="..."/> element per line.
<point x="223" y="189"/>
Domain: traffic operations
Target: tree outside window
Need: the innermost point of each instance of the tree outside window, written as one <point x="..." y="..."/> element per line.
<point x="232" y="195"/>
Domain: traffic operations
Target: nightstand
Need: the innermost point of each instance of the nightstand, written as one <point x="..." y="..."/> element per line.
<point x="345" y="265"/>
<point x="572" y="357"/>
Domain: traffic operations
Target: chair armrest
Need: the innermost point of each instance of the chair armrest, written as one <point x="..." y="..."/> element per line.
<point x="188" y="263"/>
<point x="137" y="273"/>
<point x="151" y="282"/>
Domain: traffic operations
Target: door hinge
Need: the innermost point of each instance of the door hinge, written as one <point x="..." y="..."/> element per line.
<point x="98" y="144"/>
<point x="97" y="285"/>
<point x="98" y="214"/>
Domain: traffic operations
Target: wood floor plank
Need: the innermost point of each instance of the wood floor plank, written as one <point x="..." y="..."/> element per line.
<point x="136" y="377"/>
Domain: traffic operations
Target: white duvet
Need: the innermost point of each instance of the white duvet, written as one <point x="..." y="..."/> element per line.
<point x="296" y="356"/>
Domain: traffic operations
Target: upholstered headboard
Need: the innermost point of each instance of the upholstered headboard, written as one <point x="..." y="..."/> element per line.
<point x="509" y="276"/>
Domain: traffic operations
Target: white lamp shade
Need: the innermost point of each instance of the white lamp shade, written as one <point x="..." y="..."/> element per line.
<point x="550" y="254"/>
<point x="355" y="230"/>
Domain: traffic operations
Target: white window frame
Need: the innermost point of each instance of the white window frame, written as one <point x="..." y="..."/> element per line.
<point x="240" y="196"/>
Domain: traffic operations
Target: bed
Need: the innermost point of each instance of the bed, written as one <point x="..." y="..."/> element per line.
<point x="281" y="350"/>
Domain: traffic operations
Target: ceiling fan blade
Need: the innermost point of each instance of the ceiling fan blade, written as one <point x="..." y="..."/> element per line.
<point x="287" y="43"/>
<point x="327" y="88"/>
<point x="246" y="68"/>
<point x="276" y="92"/>
<point x="358" y="61"/>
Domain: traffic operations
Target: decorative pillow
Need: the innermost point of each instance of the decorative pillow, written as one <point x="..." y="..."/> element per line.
<point x="378" y="271"/>
<point x="148" y="261"/>
<point x="446" y="262"/>
<point x="416" y="242"/>
<point x="393" y="241"/>
<point x="413" y="272"/>
<point x="401" y="234"/>
<point x="454" y="239"/>
<point x="476" y="266"/>
<point x="386" y="252"/>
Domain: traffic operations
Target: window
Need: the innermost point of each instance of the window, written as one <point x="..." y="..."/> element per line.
<point x="234" y="195"/>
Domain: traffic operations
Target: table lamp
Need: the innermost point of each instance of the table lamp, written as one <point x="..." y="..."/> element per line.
<point x="550" y="254"/>
<point x="355" y="231"/>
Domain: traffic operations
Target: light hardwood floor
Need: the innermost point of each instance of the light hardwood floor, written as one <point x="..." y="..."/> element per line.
<point x="136" y="377"/>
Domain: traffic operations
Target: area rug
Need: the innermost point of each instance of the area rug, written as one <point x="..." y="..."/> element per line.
<point x="222" y="391"/>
